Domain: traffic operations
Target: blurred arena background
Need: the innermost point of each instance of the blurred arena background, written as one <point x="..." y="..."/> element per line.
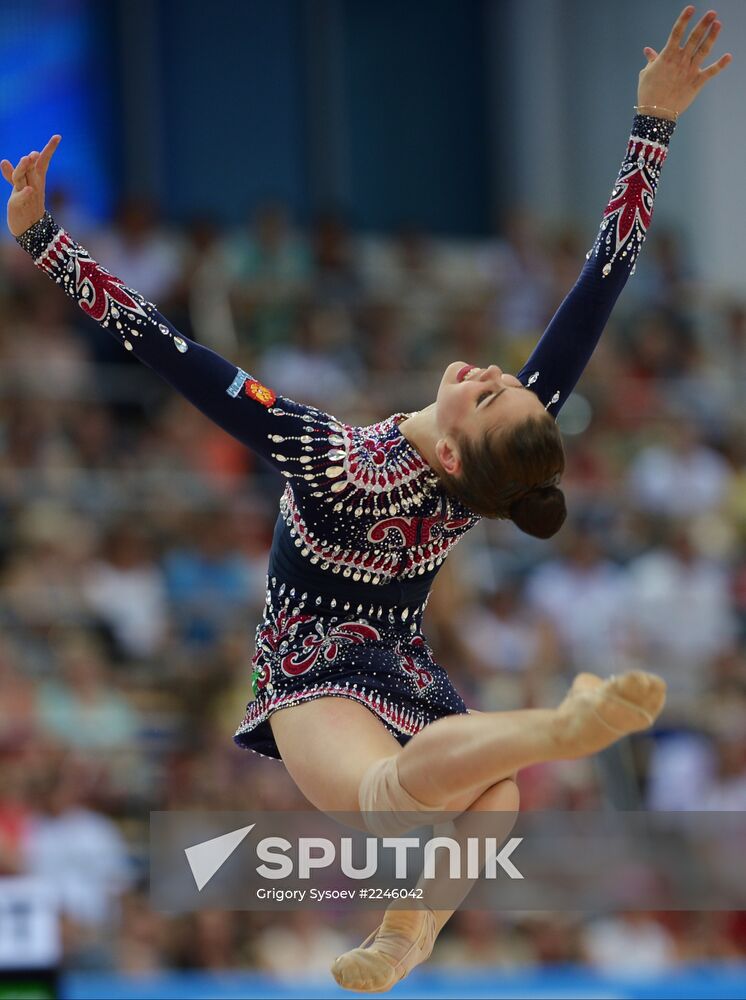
<point x="342" y="196"/>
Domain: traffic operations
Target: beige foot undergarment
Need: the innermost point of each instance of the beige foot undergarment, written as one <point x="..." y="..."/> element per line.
<point x="403" y="940"/>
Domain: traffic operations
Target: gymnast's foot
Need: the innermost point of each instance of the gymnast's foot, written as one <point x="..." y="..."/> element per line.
<point x="403" y="940"/>
<point x="598" y="712"/>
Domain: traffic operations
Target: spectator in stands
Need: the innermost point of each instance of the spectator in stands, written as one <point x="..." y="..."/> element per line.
<point x="81" y="856"/>
<point x="581" y="592"/>
<point x="126" y="590"/>
<point x="609" y="943"/>
<point x="513" y="649"/>
<point x="141" y="250"/>
<point x="208" y="579"/>
<point x="80" y="706"/>
<point x="680" y="475"/>
<point x="269" y="269"/>
<point x="521" y="277"/>
<point x="678" y="608"/>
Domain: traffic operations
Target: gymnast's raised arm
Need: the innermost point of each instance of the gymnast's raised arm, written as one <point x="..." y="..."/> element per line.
<point x="282" y="431"/>
<point x="667" y="86"/>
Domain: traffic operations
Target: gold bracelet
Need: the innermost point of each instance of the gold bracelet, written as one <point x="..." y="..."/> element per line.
<point x="654" y="107"/>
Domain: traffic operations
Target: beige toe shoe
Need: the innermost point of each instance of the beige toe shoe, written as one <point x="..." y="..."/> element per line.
<point x="598" y="712"/>
<point x="403" y="940"/>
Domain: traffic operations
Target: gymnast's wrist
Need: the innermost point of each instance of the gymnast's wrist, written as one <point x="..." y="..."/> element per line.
<point x="37" y="237"/>
<point x="651" y="128"/>
<point x="657" y="111"/>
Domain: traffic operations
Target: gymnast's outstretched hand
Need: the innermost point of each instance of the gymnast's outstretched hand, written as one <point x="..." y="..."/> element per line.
<point x="673" y="77"/>
<point x="28" y="180"/>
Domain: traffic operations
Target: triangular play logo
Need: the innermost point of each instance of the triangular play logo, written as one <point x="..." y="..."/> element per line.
<point x="206" y="858"/>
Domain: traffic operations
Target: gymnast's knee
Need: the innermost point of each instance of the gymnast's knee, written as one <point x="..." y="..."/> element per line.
<point x="387" y="808"/>
<point x="506" y="796"/>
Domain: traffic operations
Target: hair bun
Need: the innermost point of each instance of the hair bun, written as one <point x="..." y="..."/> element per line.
<point x="540" y="512"/>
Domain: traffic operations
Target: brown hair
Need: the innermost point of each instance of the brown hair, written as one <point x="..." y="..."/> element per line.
<point x="512" y="473"/>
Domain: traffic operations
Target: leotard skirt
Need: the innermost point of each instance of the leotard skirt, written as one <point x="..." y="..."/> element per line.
<point x="316" y="645"/>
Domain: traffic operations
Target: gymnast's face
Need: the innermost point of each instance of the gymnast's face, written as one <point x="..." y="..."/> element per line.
<point x="472" y="401"/>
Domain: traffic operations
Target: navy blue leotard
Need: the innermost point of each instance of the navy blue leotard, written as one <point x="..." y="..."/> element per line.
<point x="364" y="525"/>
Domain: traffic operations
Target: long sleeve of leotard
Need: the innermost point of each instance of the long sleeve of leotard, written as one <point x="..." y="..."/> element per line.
<point x="290" y="435"/>
<point x="567" y="344"/>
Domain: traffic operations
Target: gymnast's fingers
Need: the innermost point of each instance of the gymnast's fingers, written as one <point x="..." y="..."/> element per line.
<point x="717" y="67"/>
<point x="48" y="152"/>
<point x="33" y="160"/>
<point x="19" y="174"/>
<point x="695" y="39"/>
<point x="707" y="44"/>
<point x="677" y="32"/>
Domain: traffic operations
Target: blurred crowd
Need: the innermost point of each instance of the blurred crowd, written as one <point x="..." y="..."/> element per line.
<point x="134" y="537"/>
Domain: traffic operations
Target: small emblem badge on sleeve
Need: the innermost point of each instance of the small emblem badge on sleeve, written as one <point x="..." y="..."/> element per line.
<point x="255" y="390"/>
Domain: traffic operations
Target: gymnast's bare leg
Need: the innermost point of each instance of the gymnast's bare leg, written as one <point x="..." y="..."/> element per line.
<point x="472" y="752"/>
<point x="458" y="764"/>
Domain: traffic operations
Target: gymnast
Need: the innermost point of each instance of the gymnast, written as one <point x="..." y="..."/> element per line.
<point x="346" y="691"/>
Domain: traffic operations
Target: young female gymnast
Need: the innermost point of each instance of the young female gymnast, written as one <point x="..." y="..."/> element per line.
<point x="346" y="691"/>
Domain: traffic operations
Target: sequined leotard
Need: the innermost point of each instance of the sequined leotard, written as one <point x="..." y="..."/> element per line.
<point x="364" y="525"/>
